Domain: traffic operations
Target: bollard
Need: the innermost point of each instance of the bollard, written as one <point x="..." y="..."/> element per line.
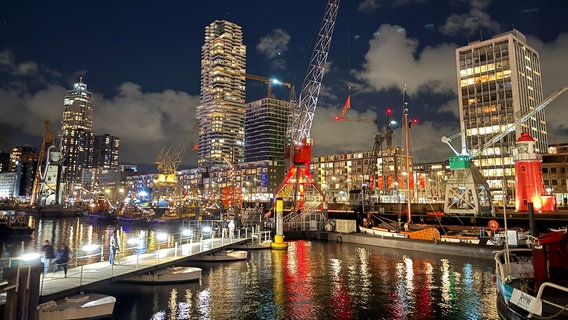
<point x="81" y="277"/>
<point x="102" y="255"/>
<point x="176" y="250"/>
<point x="190" y="246"/>
<point x="137" y="257"/>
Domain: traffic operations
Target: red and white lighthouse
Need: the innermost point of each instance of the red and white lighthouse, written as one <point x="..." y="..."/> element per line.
<point x="528" y="177"/>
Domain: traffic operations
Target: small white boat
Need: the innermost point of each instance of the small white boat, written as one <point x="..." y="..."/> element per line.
<point x="169" y="275"/>
<point x="225" y="255"/>
<point x="81" y="306"/>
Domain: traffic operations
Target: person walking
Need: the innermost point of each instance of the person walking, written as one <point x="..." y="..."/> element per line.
<point x="231" y="229"/>
<point x="62" y="258"/>
<point x="114" y="247"/>
<point x="47" y="254"/>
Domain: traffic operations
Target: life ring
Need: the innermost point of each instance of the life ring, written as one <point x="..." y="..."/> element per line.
<point x="493" y="225"/>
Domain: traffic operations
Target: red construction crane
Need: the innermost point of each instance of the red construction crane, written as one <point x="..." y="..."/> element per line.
<point x="299" y="144"/>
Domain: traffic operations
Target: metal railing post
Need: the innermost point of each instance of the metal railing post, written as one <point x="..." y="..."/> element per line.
<point x="81" y="276"/>
<point x="176" y="250"/>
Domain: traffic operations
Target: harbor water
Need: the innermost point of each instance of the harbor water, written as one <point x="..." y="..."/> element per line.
<point x="309" y="280"/>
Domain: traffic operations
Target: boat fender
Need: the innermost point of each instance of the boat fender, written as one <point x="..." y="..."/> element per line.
<point x="47" y="305"/>
<point x="339" y="239"/>
<point x="77" y="299"/>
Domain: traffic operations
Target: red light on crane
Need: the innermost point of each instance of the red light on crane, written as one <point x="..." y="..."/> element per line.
<point x="338" y="118"/>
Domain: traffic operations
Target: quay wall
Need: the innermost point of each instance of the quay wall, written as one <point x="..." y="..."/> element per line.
<point x="457" y="249"/>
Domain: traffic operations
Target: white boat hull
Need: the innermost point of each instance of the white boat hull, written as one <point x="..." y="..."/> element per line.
<point x="227" y="255"/>
<point x="81" y="306"/>
<point x="169" y="275"/>
<point x="383" y="233"/>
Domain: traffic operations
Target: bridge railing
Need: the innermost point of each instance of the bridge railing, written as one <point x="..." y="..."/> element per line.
<point x="205" y="235"/>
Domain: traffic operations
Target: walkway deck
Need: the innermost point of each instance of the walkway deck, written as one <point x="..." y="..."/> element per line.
<point x="88" y="277"/>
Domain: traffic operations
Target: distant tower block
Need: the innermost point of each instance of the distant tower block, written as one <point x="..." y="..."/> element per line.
<point x="529" y="183"/>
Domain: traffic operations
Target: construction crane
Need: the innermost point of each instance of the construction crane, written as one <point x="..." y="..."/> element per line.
<point x="48" y="140"/>
<point x="269" y="82"/>
<point x="467" y="191"/>
<point x="299" y="145"/>
<point x="167" y="186"/>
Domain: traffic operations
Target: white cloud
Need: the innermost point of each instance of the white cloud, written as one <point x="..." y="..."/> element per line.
<point x="274" y="44"/>
<point x="144" y="121"/>
<point x="332" y="136"/>
<point x="554" y="70"/>
<point x="471" y="21"/>
<point x="8" y="64"/>
<point x="393" y="61"/>
<point x="369" y="5"/>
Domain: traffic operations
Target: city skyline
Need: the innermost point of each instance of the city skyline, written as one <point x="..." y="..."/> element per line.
<point x="143" y="63"/>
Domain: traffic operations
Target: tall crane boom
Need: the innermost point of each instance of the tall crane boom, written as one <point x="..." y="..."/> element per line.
<point x="511" y="127"/>
<point x="48" y="140"/>
<point x="299" y="144"/>
<point x="303" y="116"/>
<point x="508" y="128"/>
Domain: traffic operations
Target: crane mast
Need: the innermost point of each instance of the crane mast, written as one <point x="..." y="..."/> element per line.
<point x="299" y="145"/>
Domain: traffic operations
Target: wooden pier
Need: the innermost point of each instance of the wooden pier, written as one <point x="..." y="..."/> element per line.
<point x="26" y="287"/>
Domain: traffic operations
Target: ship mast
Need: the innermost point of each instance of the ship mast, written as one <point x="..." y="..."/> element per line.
<point x="406" y="132"/>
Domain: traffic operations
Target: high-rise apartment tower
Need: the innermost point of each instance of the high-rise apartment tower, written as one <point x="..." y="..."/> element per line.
<point x="499" y="81"/>
<point x="265" y="129"/>
<point x="77" y="132"/>
<point x="221" y="110"/>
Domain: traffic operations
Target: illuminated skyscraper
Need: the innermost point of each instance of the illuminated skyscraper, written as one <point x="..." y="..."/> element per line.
<point x="221" y="110"/>
<point x="77" y="132"/>
<point x="105" y="153"/>
<point x="499" y="81"/>
<point x="265" y="129"/>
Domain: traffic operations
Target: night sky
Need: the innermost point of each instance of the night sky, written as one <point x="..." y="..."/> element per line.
<point x="142" y="61"/>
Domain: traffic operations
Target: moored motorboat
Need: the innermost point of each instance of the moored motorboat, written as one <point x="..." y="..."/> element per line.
<point x="14" y="224"/>
<point x="534" y="282"/>
<point x="81" y="306"/>
<point x="224" y="255"/>
<point x="58" y="211"/>
<point x="100" y="216"/>
<point x="169" y="275"/>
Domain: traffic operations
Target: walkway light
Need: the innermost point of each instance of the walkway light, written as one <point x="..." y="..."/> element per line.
<point x="187" y="232"/>
<point x="90" y="247"/>
<point x="30" y="256"/>
<point x="162" y="236"/>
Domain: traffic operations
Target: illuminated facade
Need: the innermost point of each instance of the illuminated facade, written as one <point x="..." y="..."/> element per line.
<point x="221" y="110"/>
<point x="77" y="132"/>
<point x="105" y="152"/>
<point x="499" y="81"/>
<point x="265" y="129"/>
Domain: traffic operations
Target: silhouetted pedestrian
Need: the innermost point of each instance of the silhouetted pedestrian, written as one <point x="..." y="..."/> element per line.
<point x="114" y="247"/>
<point x="62" y="258"/>
<point x="47" y="254"/>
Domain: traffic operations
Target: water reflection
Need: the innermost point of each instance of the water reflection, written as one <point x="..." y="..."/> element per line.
<point x="310" y="280"/>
